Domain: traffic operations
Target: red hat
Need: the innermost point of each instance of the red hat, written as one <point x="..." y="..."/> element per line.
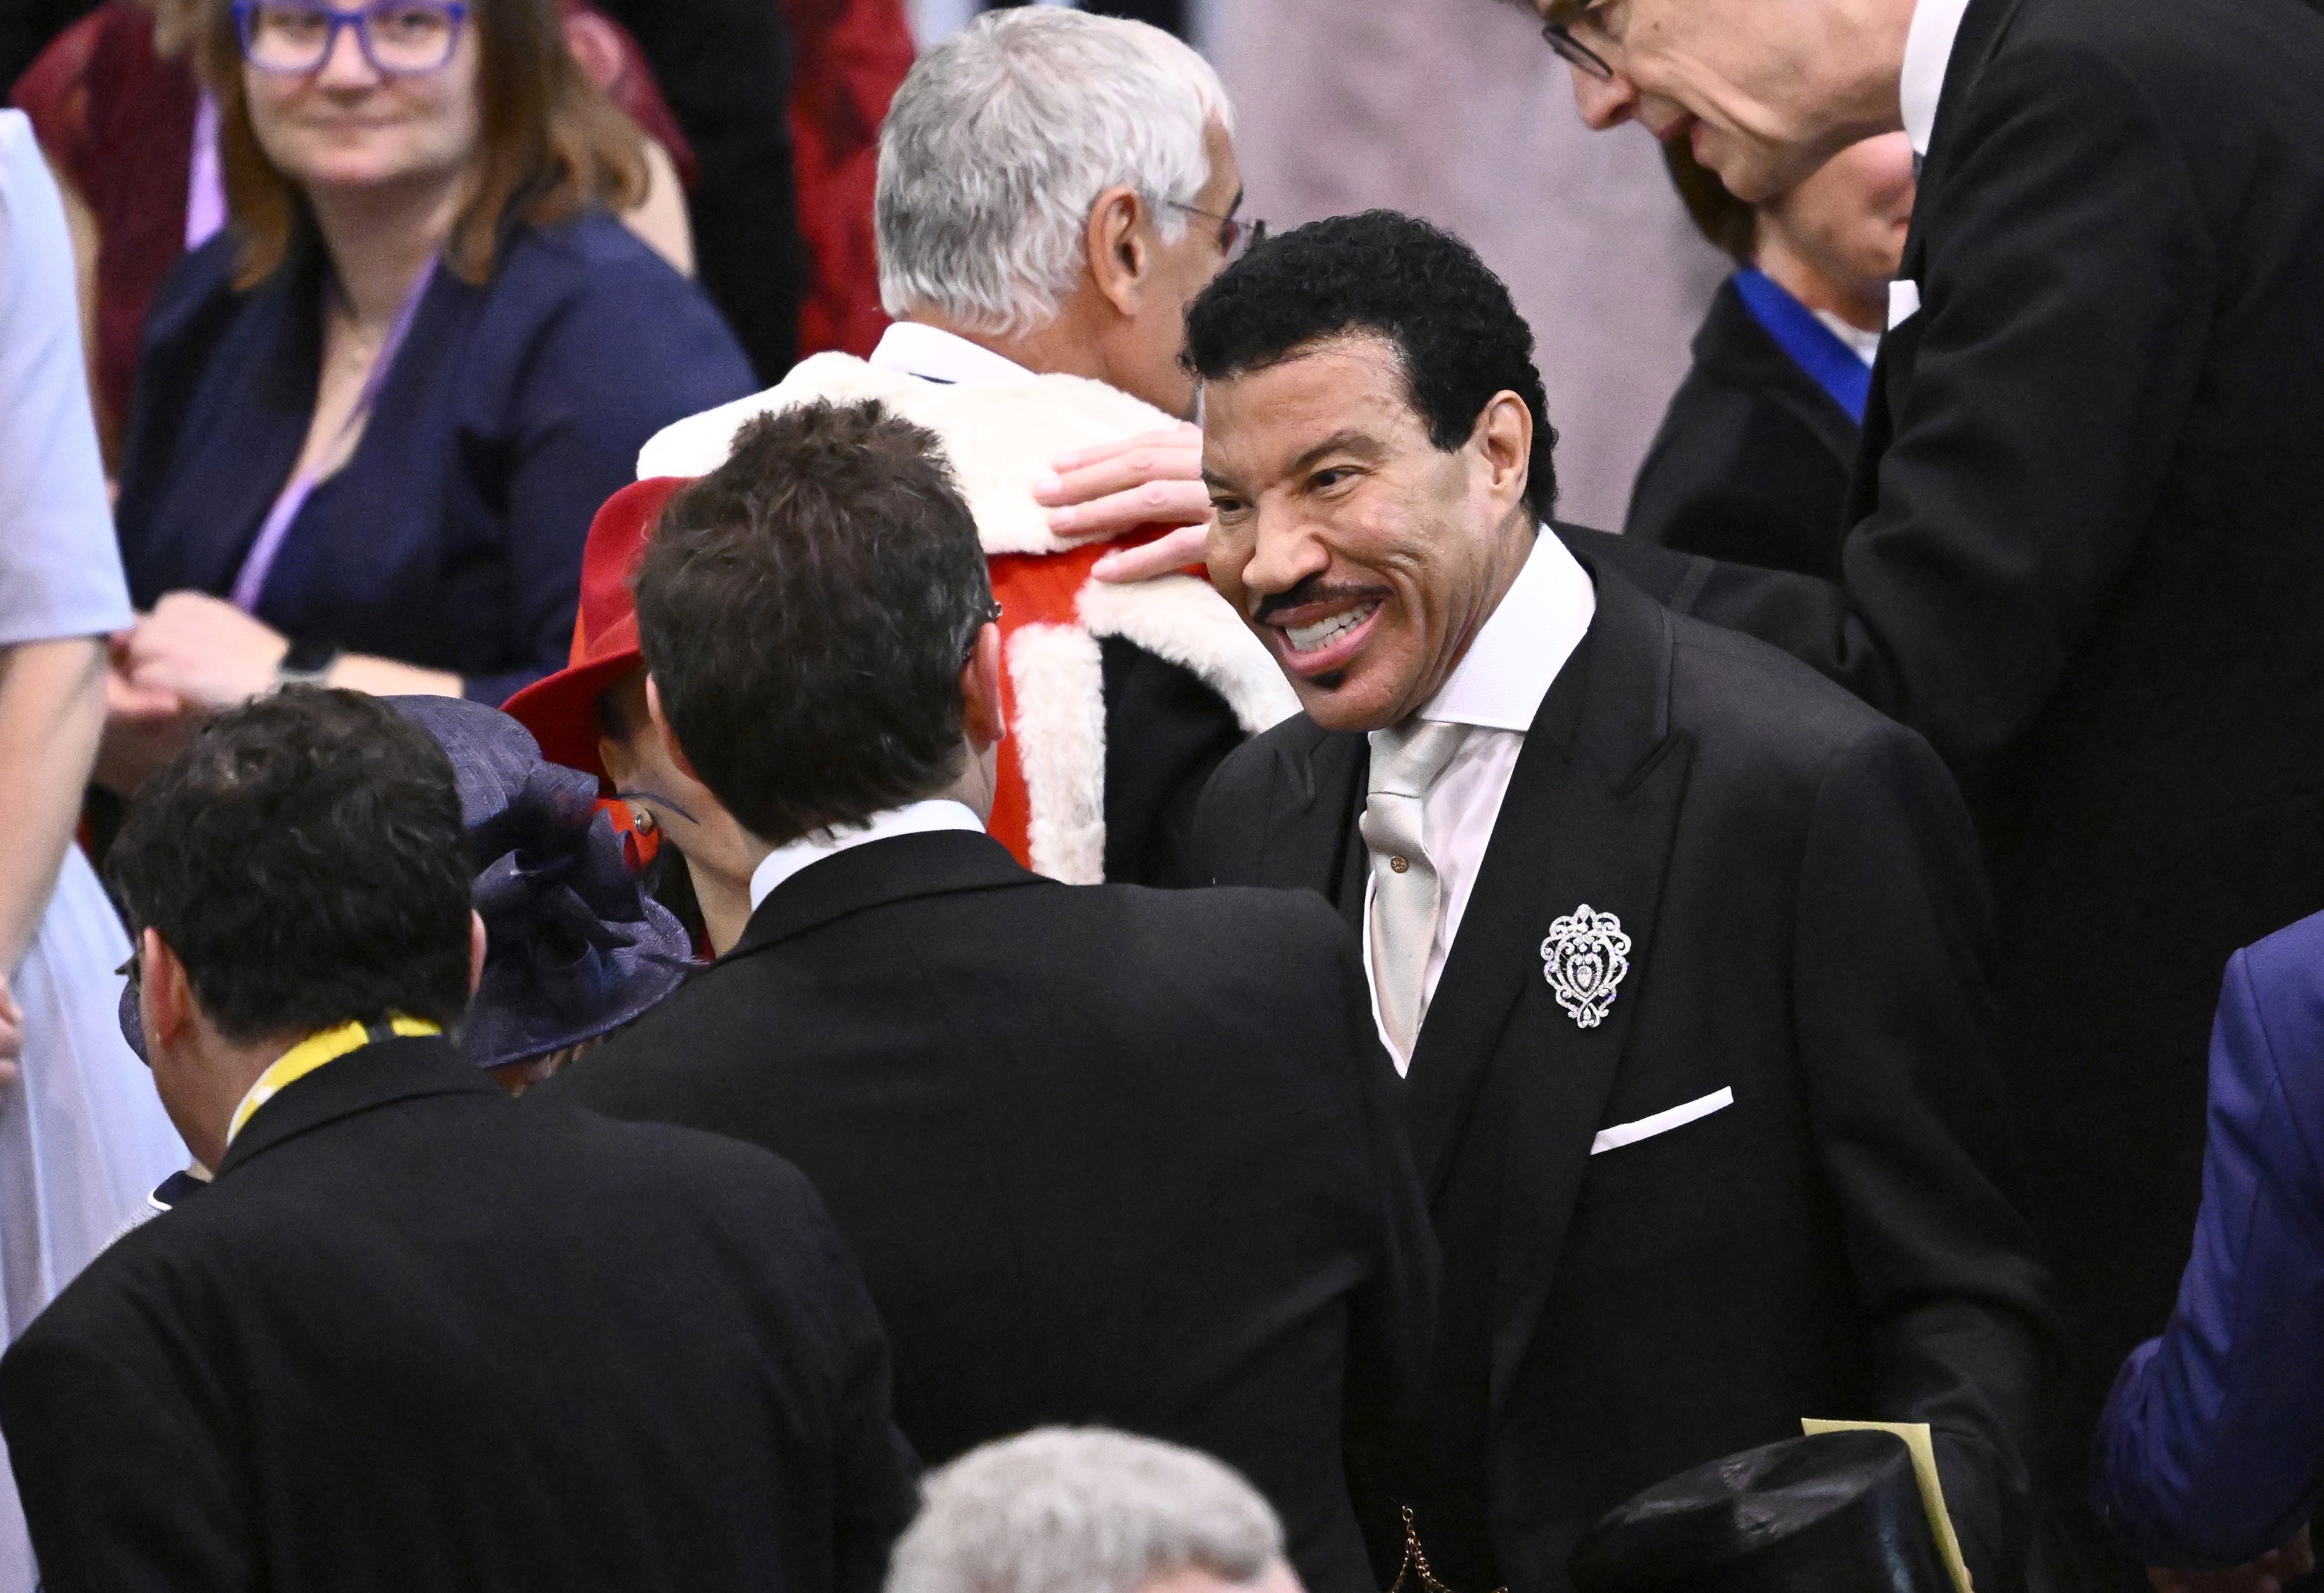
<point x="561" y="711"/>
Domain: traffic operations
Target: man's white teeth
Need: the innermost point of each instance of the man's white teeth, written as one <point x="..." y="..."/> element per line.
<point x="1306" y="638"/>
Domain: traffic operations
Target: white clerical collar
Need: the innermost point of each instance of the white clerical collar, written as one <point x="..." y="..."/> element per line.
<point x="937" y="356"/>
<point x="917" y="819"/>
<point x="1928" y="51"/>
<point x="1523" y="644"/>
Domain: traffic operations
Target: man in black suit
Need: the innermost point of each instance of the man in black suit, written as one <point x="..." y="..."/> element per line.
<point x="1679" y="947"/>
<point x="1107" y="1154"/>
<point x="2087" y="553"/>
<point x="415" y="1335"/>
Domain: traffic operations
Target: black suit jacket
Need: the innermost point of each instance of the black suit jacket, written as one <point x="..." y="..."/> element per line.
<point x="1107" y="1154"/>
<point x="1801" y="892"/>
<point x="2088" y="561"/>
<point x="416" y="1337"/>
<point x="724" y="66"/>
<point x="1752" y="460"/>
<point x="1167" y="732"/>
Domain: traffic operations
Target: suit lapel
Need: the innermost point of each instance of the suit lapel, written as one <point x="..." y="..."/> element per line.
<point x="279" y="332"/>
<point x="1982" y="29"/>
<point x="1315" y="795"/>
<point x="1617" y="811"/>
<point x="1492" y="959"/>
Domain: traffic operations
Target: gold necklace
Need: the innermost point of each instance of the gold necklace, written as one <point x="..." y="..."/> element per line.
<point x="1416" y="1563"/>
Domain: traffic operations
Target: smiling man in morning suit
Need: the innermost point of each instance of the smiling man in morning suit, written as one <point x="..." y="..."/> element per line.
<point x="1678" y="946"/>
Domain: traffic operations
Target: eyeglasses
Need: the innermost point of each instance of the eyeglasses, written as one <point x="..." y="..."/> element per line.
<point x="398" y="38"/>
<point x="1572" y="52"/>
<point x="1236" y="236"/>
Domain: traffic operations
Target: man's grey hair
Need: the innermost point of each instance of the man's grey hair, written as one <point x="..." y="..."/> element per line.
<point x="1002" y="138"/>
<point x="1083" y="1510"/>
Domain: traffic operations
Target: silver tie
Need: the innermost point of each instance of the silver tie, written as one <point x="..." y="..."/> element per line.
<point x="1407" y="896"/>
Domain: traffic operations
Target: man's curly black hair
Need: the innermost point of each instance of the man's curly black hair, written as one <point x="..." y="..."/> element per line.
<point x="305" y="861"/>
<point x="1420" y="287"/>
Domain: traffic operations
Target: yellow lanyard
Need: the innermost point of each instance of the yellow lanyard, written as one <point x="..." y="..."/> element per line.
<point x="312" y="1052"/>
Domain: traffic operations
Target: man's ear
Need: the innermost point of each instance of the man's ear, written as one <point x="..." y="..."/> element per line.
<point x="661" y="727"/>
<point x="983" y="720"/>
<point x="1503" y="441"/>
<point x="478" y="944"/>
<point x="166" y="1005"/>
<point x="1116" y="247"/>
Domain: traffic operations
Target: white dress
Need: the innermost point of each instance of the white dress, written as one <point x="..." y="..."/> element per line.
<point x="82" y="1136"/>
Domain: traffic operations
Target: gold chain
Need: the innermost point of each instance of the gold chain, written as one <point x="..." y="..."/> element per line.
<point x="1416" y="1563"/>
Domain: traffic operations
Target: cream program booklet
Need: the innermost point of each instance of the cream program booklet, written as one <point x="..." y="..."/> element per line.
<point x="1915" y="1435"/>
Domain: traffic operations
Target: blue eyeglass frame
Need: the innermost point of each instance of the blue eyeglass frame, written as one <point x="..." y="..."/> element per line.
<point x="360" y="20"/>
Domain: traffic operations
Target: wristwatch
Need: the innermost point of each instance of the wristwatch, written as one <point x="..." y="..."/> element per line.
<point x="307" y="663"/>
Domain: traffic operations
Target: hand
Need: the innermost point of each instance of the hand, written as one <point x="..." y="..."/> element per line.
<point x="205" y="650"/>
<point x="2267" y="1574"/>
<point x="12" y="1033"/>
<point x="144" y="726"/>
<point x="1137" y="484"/>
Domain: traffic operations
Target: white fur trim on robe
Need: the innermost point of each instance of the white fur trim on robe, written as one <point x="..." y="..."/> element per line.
<point x="1060" y="731"/>
<point x="1183" y="619"/>
<point x="999" y="435"/>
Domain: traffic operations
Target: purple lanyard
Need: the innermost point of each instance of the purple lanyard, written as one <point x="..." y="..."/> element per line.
<point x="252" y="579"/>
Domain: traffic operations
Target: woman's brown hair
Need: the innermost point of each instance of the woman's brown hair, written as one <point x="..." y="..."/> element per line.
<point x="1730" y="223"/>
<point x="550" y="146"/>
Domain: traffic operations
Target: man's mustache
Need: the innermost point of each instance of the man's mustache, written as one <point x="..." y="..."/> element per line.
<point x="1314" y="589"/>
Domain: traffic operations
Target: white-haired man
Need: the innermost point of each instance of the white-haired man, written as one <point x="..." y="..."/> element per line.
<point x="1086" y="1510"/>
<point x="1054" y="188"/>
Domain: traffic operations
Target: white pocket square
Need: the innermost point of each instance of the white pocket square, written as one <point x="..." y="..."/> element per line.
<point x="1622" y="1134"/>
<point x="1904" y="302"/>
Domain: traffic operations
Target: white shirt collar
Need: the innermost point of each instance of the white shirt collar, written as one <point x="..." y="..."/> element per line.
<point x="937" y="356"/>
<point x="1866" y="345"/>
<point x="1523" y="644"/>
<point x="917" y="818"/>
<point x="1928" y="52"/>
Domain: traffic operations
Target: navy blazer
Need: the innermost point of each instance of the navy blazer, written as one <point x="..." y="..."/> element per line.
<point x="452" y="540"/>
<point x="2211" y="1452"/>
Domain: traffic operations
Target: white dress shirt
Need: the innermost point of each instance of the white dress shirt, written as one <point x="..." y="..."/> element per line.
<point x="936" y="355"/>
<point x="1496" y="689"/>
<point x="917" y="818"/>
<point x="1928" y="52"/>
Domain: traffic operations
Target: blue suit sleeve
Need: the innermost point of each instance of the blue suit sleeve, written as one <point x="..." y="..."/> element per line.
<point x="2208" y="1453"/>
<point x="638" y="350"/>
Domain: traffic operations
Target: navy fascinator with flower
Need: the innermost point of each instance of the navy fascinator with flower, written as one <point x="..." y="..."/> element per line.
<point x="574" y="947"/>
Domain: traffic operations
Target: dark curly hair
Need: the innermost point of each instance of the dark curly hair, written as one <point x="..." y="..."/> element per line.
<point x="304" y="859"/>
<point x="1449" y="318"/>
<point x="805" y="609"/>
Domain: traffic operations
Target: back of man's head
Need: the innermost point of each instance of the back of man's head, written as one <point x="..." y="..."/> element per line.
<point x="1084" y="1510"/>
<point x="805" y="611"/>
<point x="1002" y="140"/>
<point x="304" y="859"/>
<point x="1451" y="321"/>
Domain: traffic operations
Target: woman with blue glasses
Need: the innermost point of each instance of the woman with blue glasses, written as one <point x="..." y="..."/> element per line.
<point x="374" y="417"/>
